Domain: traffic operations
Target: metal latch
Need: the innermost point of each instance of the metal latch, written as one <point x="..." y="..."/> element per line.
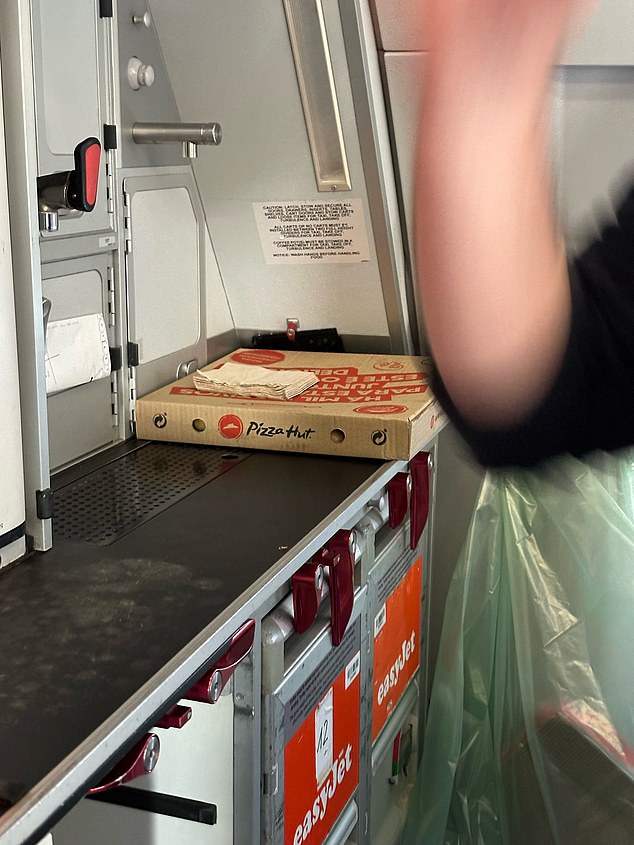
<point x="59" y="193"/>
<point x="176" y="717"/>
<point x="340" y="552"/>
<point x="420" y="468"/>
<point x="141" y="760"/>
<point x="398" y="490"/>
<point x="209" y="688"/>
<point x="338" y="556"/>
<point x="306" y="585"/>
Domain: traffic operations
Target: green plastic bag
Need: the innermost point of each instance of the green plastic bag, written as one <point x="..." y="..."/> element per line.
<point x="530" y="733"/>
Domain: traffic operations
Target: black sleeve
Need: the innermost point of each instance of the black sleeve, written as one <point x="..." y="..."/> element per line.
<point x="590" y="404"/>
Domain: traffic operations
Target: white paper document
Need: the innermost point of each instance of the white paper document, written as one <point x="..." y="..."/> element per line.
<point x="77" y="351"/>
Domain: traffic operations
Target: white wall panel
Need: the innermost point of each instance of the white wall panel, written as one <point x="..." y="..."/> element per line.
<point x="605" y="35"/>
<point x="231" y="62"/>
<point x="400" y="24"/>
<point x="219" y="317"/>
<point x="166" y="287"/>
<point x="594" y="111"/>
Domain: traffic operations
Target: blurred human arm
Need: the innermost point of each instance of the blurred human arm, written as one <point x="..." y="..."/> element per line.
<point x="491" y="261"/>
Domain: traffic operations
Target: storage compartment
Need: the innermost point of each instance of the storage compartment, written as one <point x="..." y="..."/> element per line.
<point x="311" y="731"/>
<point x="83" y="410"/>
<point x="206" y="755"/>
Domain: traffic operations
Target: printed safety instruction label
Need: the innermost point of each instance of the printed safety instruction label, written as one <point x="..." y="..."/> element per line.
<point x="320" y="231"/>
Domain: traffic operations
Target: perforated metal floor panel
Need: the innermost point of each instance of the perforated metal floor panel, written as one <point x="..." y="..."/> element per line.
<point x="107" y="504"/>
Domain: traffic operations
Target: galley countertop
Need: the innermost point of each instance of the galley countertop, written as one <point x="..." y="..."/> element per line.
<point x="160" y="552"/>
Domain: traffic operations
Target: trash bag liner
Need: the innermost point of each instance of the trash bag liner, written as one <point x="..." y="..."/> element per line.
<point x="530" y="732"/>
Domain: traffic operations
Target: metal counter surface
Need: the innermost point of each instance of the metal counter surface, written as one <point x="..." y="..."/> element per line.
<point x="99" y="639"/>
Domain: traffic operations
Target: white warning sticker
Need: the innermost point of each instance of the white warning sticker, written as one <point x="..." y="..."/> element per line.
<point x="324" y="737"/>
<point x="323" y="231"/>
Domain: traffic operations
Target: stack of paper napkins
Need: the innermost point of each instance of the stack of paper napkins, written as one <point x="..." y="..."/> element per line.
<point x="246" y="380"/>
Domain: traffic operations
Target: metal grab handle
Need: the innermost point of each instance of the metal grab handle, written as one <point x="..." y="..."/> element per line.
<point x="187" y="134"/>
<point x="315" y="78"/>
<point x="209" y="134"/>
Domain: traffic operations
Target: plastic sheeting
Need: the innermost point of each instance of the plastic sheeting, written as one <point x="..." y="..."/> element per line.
<point x="530" y="734"/>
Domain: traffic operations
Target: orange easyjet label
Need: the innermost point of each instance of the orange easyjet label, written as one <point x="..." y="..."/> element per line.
<point x="321" y="761"/>
<point x="396" y="645"/>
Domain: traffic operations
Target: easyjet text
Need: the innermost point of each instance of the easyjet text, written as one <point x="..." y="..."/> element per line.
<point x="336" y="775"/>
<point x="391" y="679"/>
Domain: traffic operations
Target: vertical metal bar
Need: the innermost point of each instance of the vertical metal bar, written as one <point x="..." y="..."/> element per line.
<point x="376" y="155"/>
<point x="19" y="115"/>
<point x="313" y="65"/>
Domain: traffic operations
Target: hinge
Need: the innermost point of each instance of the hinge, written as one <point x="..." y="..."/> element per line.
<point x="44" y="503"/>
<point x="114" y="396"/>
<point x="105" y="8"/>
<point x="270" y="782"/>
<point x="132" y="383"/>
<point x="109" y="187"/>
<point x="112" y="303"/>
<point x="127" y="222"/>
<point x="133" y="354"/>
<point x="116" y="358"/>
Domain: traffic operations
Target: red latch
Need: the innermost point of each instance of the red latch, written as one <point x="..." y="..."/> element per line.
<point x="176" y="717"/>
<point x="212" y="683"/>
<point x="306" y="585"/>
<point x="398" y="489"/>
<point x="141" y="760"/>
<point x="340" y="556"/>
<point x="83" y="181"/>
<point x="420" y="470"/>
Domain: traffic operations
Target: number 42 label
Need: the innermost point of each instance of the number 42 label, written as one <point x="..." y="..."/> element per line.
<point x="324" y="736"/>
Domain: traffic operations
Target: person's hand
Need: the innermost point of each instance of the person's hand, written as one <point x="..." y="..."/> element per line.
<point x="494" y="288"/>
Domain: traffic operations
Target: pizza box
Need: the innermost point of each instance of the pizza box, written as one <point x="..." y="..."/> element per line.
<point x="368" y="406"/>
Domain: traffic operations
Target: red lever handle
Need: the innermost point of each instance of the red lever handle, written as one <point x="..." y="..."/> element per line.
<point x="212" y="683"/>
<point x="398" y="489"/>
<point x="306" y="585"/>
<point x="340" y="553"/>
<point x="420" y="469"/>
<point x="141" y="760"/>
<point x="83" y="181"/>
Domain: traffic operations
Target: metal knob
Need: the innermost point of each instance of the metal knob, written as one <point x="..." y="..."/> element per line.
<point x="145" y="19"/>
<point x="140" y="75"/>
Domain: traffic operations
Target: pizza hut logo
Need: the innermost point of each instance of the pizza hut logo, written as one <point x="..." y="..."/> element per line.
<point x="230" y="426"/>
